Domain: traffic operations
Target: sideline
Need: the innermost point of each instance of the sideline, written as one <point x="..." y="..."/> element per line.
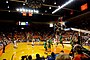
<point x="7" y="46"/>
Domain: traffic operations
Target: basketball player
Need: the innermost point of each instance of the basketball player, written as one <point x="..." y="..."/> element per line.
<point x="51" y="42"/>
<point x="15" y="44"/>
<point x="71" y="41"/>
<point x="45" y="45"/>
<point x="56" y="40"/>
<point x="38" y="40"/>
<point x="60" y="39"/>
<point x="33" y="40"/>
<point x="49" y="45"/>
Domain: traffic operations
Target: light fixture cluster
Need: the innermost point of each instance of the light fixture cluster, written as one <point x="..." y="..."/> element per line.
<point x="27" y="10"/>
<point x="8" y="5"/>
<point x="51" y="25"/>
<point x="50" y="7"/>
<point x="6" y="1"/>
<point x="55" y="3"/>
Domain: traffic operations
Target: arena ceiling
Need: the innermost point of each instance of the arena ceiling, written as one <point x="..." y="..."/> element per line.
<point x="9" y="14"/>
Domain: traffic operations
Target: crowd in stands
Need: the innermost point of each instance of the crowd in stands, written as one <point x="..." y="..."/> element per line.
<point x="78" y="55"/>
<point x="7" y="37"/>
<point x="22" y="36"/>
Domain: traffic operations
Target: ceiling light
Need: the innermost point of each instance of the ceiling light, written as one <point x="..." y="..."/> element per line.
<point x="62" y="6"/>
<point x="6" y="1"/>
<point x="45" y="10"/>
<point x="27" y="10"/>
<point x="51" y="25"/>
<point x="23" y="10"/>
<point x="27" y="22"/>
<point x="49" y="7"/>
<point x="37" y="11"/>
<point x="9" y="11"/>
<point x="20" y="10"/>
<point x="58" y="6"/>
<point x="43" y="0"/>
<point x="42" y="14"/>
<point x="55" y="3"/>
<point x="31" y="11"/>
<point x="23" y="3"/>
<point x="8" y="7"/>
<point x="22" y="28"/>
<point x="17" y="9"/>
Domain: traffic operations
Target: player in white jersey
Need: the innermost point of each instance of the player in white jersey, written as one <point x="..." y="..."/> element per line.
<point x="55" y="42"/>
<point x="33" y="40"/>
<point x="15" y="44"/>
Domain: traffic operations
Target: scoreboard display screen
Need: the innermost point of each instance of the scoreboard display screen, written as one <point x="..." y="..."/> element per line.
<point x="23" y="23"/>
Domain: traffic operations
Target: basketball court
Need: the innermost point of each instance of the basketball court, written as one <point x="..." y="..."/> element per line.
<point x="26" y="49"/>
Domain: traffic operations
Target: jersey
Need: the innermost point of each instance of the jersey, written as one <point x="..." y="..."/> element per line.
<point x="60" y="38"/>
<point x="45" y="45"/>
<point x="49" y="45"/>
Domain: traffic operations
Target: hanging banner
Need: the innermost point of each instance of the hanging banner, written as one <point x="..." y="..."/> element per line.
<point x="84" y="7"/>
<point x="24" y="13"/>
<point x="30" y="14"/>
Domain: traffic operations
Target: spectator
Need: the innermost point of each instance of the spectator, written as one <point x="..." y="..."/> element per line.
<point x="80" y="56"/>
<point x="61" y="52"/>
<point x="29" y="57"/>
<point x="63" y="57"/>
<point x="24" y="57"/>
<point x="43" y="58"/>
<point x="38" y="57"/>
<point x="52" y="57"/>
